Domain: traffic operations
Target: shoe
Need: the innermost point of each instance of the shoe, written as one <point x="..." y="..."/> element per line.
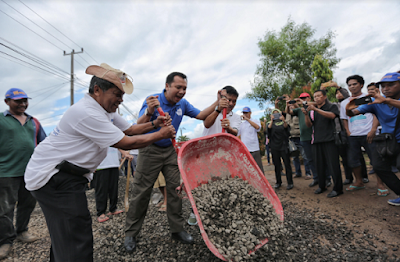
<point x="307" y="177"/>
<point x="354" y="188"/>
<point x="297" y="175"/>
<point x="371" y="172"/>
<point x="183" y="237"/>
<point x="394" y="202"/>
<point x="116" y="212"/>
<point x="347" y="182"/>
<point x="130" y="244"/>
<point x="334" y="194"/>
<point x="394" y="169"/>
<point x="365" y="180"/>
<point x="328" y="183"/>
<point x="5" y="250"/>
<point x="290" y="186"/>
<point x="102" y="218"/>
<point x="26" y="237"/>
<point x="313" y="183"/>
<point x="277" y="185"/>
<point x="319" y="190"/>
<point x="382" y="192"/>
<point x="283" y="174"/>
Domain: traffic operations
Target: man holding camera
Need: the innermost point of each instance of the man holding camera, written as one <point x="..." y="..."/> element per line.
<point x="386" y="109"/>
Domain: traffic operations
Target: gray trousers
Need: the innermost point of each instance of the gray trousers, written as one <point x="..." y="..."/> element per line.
<point x="151" y="160"/>
<point x="257" y="156"/>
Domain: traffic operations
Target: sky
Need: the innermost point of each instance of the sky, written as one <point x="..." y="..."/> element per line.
<point x="213" y="42"/>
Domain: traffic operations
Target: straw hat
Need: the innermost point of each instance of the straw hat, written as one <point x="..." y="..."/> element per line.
<point x="115" y="76"/>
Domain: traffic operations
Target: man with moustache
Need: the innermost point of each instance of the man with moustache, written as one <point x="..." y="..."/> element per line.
<point x="161" y="156"/>
<point x="19" y="135"/>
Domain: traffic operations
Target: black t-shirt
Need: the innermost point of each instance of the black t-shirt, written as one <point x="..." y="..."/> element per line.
<point x="323" y="127"/>
<point x="278" y="136"/>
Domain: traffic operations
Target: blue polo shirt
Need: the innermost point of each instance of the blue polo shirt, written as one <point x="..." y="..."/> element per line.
<point x="177" y="111"/>
<point x="386" y="115"/>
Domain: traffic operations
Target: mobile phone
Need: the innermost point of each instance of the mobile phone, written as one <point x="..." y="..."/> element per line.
<point x="280" y="97"/>
<point x="277" y="116"/>
<point x="292" y="102"/>
<point x="363" y="100"/>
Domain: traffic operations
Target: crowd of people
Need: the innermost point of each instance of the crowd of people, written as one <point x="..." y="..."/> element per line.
<point x="55" y="170"/>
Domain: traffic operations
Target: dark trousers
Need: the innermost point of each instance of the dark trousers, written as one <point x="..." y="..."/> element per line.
<point x="106" y="187"/>
<point x="276" y="158"/>
<point x="64" y="205"/>
<point x="151" y="160"/>
<point x="12" y="190"/>
<point x="267" y="153"/>
<point x="326" y="155"/>
<point x="347" y="169"/>
<point x="310" y="158"/>
<point x="296" y="159"/>
<point x="257" y="157"/>
<point x="383" y="168"/>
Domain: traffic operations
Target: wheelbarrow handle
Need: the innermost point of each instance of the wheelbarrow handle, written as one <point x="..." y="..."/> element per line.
<point x="161" y="112"/>
<point x="223" y="114"/>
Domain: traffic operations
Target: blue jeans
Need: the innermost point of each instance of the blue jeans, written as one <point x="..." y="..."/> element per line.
<point x="296" y="160"/>
<point x="267" y="153"/>
<point x="306" y="145"/>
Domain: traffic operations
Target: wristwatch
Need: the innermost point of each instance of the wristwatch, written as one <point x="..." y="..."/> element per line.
<point x="146" y="112"/>
<point x="218" y="111"/>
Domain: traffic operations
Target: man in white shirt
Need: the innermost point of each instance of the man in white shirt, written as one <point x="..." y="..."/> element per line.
<point x="214" y="123"/>
<point x="62" y="164"/>
<point x="360" y="131"/>
<point x="248" y="134"/>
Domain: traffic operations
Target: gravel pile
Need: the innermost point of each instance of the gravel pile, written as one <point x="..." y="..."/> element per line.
<point x="236" y="217"/>
<point x="310" y="236"/>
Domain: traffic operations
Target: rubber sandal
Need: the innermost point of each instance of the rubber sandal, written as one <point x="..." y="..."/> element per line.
<point x="102" y="218"/>
<point x="354" y="188"/>
<point x="163" y="208"/>
<point x="116" y="212"/>
<point x="382" y="192"/>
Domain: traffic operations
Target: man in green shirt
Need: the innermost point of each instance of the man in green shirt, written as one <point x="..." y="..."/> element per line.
<point x="19" y="134"/>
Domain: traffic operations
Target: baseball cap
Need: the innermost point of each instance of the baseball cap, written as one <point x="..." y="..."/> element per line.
<point x="389" y="77"/>
<point x="304" y="95"/>
<point x="16" y="93"/>
<point x="246" y="109"/>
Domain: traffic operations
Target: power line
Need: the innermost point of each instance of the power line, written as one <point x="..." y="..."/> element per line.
<point x="44" y="90"/>
<point x="46" y="97"/>
<point x="31" y="30"/>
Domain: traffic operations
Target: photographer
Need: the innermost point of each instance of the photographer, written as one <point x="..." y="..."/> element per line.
<point x="386" y="109"/>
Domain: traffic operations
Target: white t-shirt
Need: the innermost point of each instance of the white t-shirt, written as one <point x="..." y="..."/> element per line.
<point x="82" y="137"/>
<point x="359" y="125"/>
<point x="234" y="121"/>
<point x="248" y="135"/>
<point x="111" y="160"/>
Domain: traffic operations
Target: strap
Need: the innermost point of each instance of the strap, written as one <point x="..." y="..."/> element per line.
<point x="37" y="127"/>
<point x="397" y="121"/>
<point x="340" y="122"/>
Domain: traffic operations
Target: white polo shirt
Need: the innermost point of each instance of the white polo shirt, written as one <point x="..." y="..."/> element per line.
<point x="248" y="135"/>
<point x="111" y="160"/>
<point x="234" y="121"/>
<point x="82" y="137"/>
<point x="359" y="125"/>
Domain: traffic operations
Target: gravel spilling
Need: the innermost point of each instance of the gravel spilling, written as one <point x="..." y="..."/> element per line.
<point x="310" y="236"/>
<point x="236" y="217"/>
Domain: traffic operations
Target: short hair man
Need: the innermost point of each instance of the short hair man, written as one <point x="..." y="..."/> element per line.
<point x="248" y="134"/>
<point x="19" y="135"/>
<point x="326" y="155"/>
<point x="161" y="156"/>
<point x="386" y="109"/>
<point x="214" y="123"/>
<point x="360" y="131"/>
<point x="61" y="165"/>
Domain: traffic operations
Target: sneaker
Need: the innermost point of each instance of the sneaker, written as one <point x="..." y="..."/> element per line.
<point x="328" y="183"/>
<point x="192" y="220"/>
<point x="394" y="202"/>
<point x="5" y="250"/>
<point x="371" y="172"/>
<point x="365" y="180"/>
<point x="26" y="237"/>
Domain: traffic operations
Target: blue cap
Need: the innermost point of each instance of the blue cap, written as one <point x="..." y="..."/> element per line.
<point x="16" y="93"/>
<point x="246" y="109"/>
<point x="389" y="77"/>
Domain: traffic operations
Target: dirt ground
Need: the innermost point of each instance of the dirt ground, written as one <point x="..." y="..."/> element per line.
<point x="367" y="211"/>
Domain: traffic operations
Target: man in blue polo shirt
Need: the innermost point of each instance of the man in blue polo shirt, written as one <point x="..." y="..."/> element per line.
<point x="161" y="156"/>
<point x="386" y="109"/>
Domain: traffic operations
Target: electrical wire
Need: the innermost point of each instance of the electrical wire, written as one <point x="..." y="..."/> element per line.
<point x="46" y="97"/>
<point x="44" y="91"/>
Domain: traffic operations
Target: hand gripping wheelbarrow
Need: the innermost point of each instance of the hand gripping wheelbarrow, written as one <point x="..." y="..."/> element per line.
<point x="220" y="156"/>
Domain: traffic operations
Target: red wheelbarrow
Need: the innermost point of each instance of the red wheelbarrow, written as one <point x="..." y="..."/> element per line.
<point x="208" y="158"/>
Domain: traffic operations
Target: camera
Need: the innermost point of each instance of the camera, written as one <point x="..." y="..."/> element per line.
<point x="363" y="100"/>
<point x="305" y="105"/>
<point x="277" y="116"/>
<point x="281" y="98"/>
<point x="292" y="102"/>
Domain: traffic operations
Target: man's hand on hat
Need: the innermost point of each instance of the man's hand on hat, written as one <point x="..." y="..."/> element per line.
<point x="152" y="102"/>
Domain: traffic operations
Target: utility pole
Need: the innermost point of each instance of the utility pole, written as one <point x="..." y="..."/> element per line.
<point x="72" y="72"/>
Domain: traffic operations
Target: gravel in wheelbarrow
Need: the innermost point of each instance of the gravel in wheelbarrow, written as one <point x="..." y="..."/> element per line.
<point x="236" y="217"/>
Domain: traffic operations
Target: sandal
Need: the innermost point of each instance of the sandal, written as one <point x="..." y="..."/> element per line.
<point x="102" y="218"/>
<point x="382" y="192"/>
<point x="354" y="188"/>
<point x="116" y="212"/>
<point x="163" y="208"/>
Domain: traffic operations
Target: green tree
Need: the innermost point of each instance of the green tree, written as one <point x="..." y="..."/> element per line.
<point x="286" y="58"/>
<point x="322" y="74"/>
<point x="183" y="138"/>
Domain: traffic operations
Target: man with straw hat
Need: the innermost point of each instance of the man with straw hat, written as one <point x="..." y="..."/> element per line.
<point x="63" y="163"/>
